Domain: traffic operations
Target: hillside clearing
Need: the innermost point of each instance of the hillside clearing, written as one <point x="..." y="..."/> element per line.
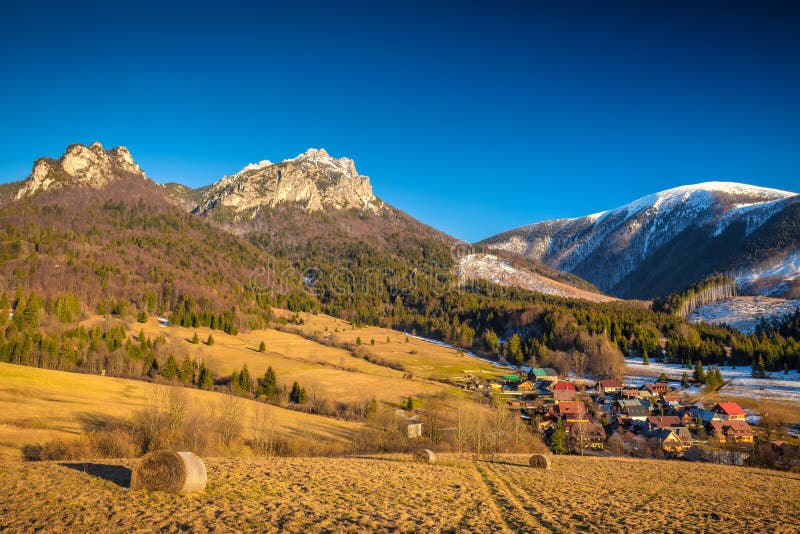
<point x="37" y="405"/>
<point x="391" y="493"/>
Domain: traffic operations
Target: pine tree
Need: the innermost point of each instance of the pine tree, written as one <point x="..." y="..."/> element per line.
<point x="297" y="395"/>
<point x="170" y="369"/>
<point x="244" y="380"/>
<point x="372" y="341"/>
<point x="558" y="441"/>
<point x="759" y="369"/>
<point x="187" y="371"/>
<point x="406" y="339"/>
<point x="267" y="386"/>
<point x="195" y="339"/>
<point x="388" y="340"/>
<point x="645" y="358"/>
<point x="204" y="378"/>
<point x="235" y="383"/>
<point x="372" y="408"/>
<point x="358" y="340"/>
<point x="262" y="347"/>
<point x="685" y="380"/>
<point x="409" y="403"/>
<point x="142" y="317"/>
<point x="210" y="340"/>
<point x="699" y="373"/>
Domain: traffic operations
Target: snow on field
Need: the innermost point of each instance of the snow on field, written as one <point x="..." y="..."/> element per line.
<point x="776" y="386"/>
<point x="490" y="268"/>
<point x="744" y="313"/>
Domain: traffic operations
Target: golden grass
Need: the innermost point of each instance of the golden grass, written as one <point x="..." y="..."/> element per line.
<point x="420" y="357"/>
<point x="38" y="405"/>
<point x="331" y="373"/>
<point x="379" y="494"/>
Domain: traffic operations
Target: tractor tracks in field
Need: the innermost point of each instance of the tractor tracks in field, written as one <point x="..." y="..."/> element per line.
<point x="513" y="503"/>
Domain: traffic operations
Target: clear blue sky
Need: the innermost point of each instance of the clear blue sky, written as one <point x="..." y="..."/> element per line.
<point x="475" y="118"/>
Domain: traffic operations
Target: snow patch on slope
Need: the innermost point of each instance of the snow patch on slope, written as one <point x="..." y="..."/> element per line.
<point x="773" y="274"/>
<point x="744" y="313"/>
<point x="492" y="269"/>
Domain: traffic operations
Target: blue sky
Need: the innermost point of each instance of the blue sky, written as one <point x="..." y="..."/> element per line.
<point x="474" y="118"/>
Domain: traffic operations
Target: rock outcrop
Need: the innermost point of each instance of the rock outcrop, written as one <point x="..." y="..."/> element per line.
<point x="313" y="180"/>
<point x="81" y="165"/>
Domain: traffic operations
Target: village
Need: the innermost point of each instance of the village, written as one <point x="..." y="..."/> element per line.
<point x="609" y="417"/>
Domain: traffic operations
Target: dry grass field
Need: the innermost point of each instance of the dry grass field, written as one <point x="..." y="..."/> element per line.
<point x="393" y="494"/>
<point x="38" y="405"/>
<point x="420" y="357"/>
<point x="329" y="372"/>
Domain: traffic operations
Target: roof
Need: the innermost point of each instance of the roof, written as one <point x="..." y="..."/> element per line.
<point x="729" y="408"/>
<point x="549" y="371"/>
<point x="731" y="427"/>
<point x="738" y="427"/>
<point x="571" y="407"/>
<point x="637" y="409"/>
<point x="564" y="386"/>
<point x="564" y="394"/>
<point x="609" y="383"/>
<point x="538" y="371"/>
<point x="664" y="421"/>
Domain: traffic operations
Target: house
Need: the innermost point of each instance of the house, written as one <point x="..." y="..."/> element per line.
<point x="583" y="435"/>
<point x="673" y="440"/>
<point x="733" y="431"/>
<point x="539" y="373"/>
<point x="655" y="422"/>
<point x="657" y="388"/>
<point x="730" y="411"/>
<point x="414" y="429"/>
<point x="571" y="412"/>
<point x="564" y="391"/>
<point x="636" y="412"/>
<point x="629" y="393"/>
<point x="526" y="386"/>
<point x="608" y="386"/>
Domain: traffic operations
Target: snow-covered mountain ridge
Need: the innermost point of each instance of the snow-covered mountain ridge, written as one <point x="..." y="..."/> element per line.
<point x="611" y="248"/>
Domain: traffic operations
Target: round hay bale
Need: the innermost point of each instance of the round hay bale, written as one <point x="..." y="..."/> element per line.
<point x="540" y="461"/>
<point x="175" y="472"/>
<point x="425" y="456"/>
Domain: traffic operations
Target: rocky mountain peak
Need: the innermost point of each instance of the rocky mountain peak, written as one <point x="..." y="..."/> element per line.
<point x="313" y="179"/>
<point x="89" y="166"/>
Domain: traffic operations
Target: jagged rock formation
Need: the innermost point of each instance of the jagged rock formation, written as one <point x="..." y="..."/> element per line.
<point x="661" y="243"/>
<point x="313" y="180"/>
<point x="81" y="165"/>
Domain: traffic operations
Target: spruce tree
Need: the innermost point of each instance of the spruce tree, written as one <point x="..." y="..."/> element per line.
<point x="267" y="386"/>
<point x="210" y="340"/>
<point x="296" y="395"/>
<point x="187" y="371"/>
<point x="244" y="380"/>
<point x="409" y="403"/>
<point x="195" y="339"/>
<point x="170" y="369"/>
<point x="558" y="441"/>
<point x="204" y="378"/>
<point x="262" y="347"/>
<point x="645" y="358"/>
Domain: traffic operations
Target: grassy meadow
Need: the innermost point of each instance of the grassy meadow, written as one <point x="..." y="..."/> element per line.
<point x="38" y="405"/>
<point x="391" y="493"/>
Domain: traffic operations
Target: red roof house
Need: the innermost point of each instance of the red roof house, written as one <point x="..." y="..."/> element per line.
<point x="729" y="411"/>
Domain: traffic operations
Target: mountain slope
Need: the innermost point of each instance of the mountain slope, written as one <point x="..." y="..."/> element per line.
<point x="665" y="241"/>
<point x="106" y="233"/>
